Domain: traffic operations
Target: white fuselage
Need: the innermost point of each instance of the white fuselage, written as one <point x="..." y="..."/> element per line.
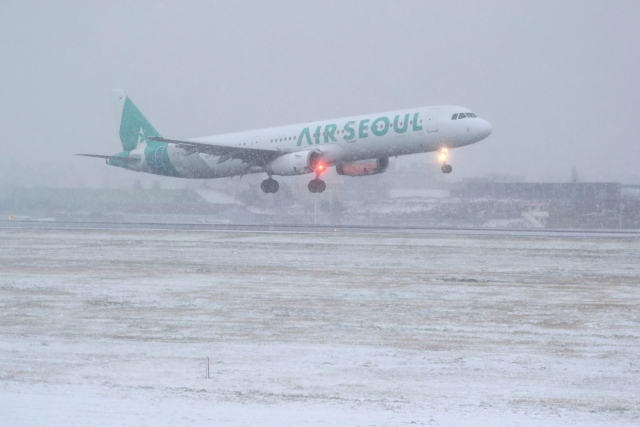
<point x="343" y="140"/>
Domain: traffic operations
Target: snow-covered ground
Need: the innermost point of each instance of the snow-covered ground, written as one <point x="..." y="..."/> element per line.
<point x="114" y="327"/>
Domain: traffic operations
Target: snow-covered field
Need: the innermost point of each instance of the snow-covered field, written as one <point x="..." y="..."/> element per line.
<point x="114" y="328"/>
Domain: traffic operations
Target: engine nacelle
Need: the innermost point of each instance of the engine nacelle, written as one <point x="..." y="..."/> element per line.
<point x="363" y="167"/>
<point x="297" y="163"/>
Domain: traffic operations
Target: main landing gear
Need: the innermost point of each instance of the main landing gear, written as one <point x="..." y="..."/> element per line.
<point x="444" y="155"/>
<point x="270" y="185"/>
<point x="317" y="185"/>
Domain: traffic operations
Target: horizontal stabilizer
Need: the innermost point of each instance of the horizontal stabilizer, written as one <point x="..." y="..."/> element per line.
<point x="124" y="159"/>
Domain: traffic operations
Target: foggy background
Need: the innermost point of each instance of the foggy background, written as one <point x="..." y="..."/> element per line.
<point x="557" y="80"/>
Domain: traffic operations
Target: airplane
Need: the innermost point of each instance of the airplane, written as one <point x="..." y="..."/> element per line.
<point x="355" y="146"/>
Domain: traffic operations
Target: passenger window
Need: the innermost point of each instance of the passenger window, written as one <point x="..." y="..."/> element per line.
<point x="454" y="117"/>
<point x="411" y="122"/>
<point x="294" y="138"/>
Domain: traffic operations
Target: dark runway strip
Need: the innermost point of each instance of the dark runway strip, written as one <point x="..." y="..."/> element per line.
<point x="349" y="229"/>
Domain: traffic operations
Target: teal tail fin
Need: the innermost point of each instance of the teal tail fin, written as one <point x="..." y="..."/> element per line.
<point x="134" y="127"/>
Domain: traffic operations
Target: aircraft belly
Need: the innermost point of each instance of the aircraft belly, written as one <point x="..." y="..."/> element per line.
<point x="366" y="148"/>
<point x="389" y="145"/>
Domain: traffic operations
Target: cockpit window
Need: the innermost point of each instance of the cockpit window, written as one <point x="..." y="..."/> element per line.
<point x="459" y="116"/>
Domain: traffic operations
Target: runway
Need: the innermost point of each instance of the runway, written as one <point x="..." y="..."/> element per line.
<point x="348" y="229"/>
<point x="366" y="327"/>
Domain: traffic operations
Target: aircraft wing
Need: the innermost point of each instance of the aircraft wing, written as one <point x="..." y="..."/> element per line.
<point x="253" y="156"/>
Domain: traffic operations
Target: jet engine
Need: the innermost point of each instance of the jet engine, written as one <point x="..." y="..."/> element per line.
<point x="363" y="167"/>
<point x="297" y="163"/>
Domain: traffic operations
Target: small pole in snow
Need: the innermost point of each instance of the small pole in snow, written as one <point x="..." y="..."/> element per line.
<point x="315" y="212"/>
<point x="207" y="368"/>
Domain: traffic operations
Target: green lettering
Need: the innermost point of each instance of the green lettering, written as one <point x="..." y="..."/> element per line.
<point x="385" y="127"/>
<point x="361" y="130"/>
<point x="415" y="122"/>
<point x="317" y="134"/>
<point x="350" y="132"/>
<point x="305" y="133"/>
<point x="329" y="130"/>
<point x="405" y="124"/>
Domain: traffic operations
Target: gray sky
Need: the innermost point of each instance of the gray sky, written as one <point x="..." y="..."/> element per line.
<point x="559" y="81"/>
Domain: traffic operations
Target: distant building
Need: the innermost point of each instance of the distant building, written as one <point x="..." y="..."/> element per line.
<point x="496" y="177"/>
<point x="606" y="194"/>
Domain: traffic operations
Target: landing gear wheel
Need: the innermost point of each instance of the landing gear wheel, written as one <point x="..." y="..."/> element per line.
<point x="446" y="168"/>
<point x="270" y="186"/>
<point x="317" y="186"/>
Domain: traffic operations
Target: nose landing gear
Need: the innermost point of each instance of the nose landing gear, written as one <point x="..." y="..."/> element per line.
<point x="444" y="155"/>
<point x="270" y="185"/>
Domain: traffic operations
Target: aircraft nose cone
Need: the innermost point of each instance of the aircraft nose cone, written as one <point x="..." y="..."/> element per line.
<point x="485" y="129"/>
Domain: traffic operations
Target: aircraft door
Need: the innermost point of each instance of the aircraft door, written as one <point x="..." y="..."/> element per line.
<point x="254" y="140"/>
<point x="432" y="120"/>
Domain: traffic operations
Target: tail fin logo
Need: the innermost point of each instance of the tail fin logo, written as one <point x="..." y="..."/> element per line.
<point x="134" y="127"/>
<point x="141" y="137"/>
